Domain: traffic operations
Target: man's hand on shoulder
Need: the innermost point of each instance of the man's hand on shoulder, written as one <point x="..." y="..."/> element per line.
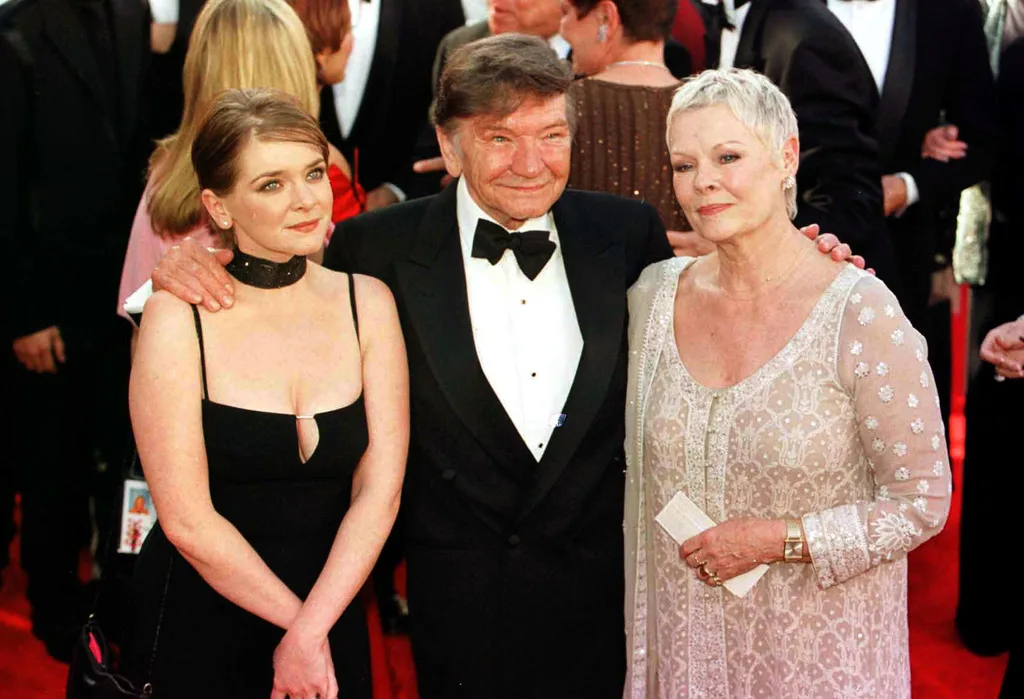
<point x="196" y="275"/>
<point x="828" y="244"/>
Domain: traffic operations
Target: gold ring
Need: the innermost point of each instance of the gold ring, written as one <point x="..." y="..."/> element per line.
<point x="702" y="569"/>
<point x="717" y="580"/>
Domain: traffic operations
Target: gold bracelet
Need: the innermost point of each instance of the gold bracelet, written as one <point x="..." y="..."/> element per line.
<point x="793" y="548"/>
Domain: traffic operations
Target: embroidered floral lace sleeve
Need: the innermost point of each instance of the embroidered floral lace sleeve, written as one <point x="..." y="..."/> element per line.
<point x="883" y="364"/>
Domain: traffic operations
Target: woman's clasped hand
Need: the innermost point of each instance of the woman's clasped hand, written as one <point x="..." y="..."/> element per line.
<point x="733" y="548"/>
<point x="303" y="668"/>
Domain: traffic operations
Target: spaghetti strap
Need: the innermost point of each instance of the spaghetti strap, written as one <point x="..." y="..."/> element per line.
<point x="352" y="300"/>
<point x="202" y="352"/>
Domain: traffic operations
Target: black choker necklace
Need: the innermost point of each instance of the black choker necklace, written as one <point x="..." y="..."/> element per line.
<point x="264" y="274"/>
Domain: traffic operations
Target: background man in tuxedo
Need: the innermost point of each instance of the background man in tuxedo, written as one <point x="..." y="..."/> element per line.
<point x="929" y="60"/>
<point x="73" y="152"/>
<point x="808" y="53"/>
<point x="381" y="106"/>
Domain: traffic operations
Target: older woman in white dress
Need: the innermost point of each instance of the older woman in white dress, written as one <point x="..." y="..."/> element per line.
<point x="788" y="397"/>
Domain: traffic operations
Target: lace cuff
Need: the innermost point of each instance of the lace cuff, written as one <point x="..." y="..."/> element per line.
<point x="837" y="544"/>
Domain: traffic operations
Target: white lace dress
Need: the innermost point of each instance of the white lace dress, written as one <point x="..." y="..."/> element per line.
<point x="842" y="429"/>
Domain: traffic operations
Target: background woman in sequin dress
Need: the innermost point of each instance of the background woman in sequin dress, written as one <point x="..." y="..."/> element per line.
<point x="619" y="145"/>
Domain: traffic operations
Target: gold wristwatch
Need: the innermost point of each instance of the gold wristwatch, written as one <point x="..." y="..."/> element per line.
<point x="793" y="549"/>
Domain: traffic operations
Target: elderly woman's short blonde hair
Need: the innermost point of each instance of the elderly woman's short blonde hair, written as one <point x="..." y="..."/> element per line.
<point x="754" y="99"/>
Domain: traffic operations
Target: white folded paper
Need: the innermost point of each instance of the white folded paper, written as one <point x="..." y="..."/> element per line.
<point x="683" y="520"/>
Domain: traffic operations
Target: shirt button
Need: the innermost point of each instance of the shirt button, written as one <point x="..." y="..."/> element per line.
<point x="513" y="541"/>
<point x="448" y="474"/>
<point x="533" y="374"/>
<point x="523" y="302"/>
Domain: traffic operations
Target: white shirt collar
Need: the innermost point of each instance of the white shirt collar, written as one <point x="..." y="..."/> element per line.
<point x="736" y="16"/>
<point x="560" y="46"/>
<point x="469" y="212"/>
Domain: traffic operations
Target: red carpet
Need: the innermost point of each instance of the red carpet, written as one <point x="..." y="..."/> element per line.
<point x="942" y="667"/>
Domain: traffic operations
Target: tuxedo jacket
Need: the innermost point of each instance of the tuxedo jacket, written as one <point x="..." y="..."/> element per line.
<point x="805" y="50"/>
<point x="72" y="164"/>
<point x="395" y="106"/>
<point x="938" y="66"/>
<point x="515" y="566"/>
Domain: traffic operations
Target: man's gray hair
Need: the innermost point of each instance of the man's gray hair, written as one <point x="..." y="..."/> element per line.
<point x="755" y="100"/>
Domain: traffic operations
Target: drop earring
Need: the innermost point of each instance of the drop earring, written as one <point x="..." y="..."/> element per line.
<point x="602" y="33"/>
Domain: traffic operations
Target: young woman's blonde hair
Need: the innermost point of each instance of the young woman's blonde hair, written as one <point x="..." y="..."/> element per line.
<point x="234" y="44"/>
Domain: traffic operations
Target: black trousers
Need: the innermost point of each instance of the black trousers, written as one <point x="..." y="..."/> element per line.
<point x="986" y="619"/>
<point x="73" y="433"/>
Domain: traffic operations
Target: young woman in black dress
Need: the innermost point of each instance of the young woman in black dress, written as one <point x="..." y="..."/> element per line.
<point x="273" y="435"/>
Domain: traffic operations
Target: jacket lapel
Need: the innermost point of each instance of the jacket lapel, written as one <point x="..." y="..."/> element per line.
<point x="595" y="268"/>
<point x="129" y="51"/>
<point x="899" y="77"/>
<point x="376" y="97"/>
<point x="433" y="285"/>
<point x="68" y="35"/>
<point x="712" y="33"/>
<point x="750" y="36"/>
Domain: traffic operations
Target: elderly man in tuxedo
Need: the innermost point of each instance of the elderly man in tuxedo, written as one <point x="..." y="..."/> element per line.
<point x="511" y="291"/>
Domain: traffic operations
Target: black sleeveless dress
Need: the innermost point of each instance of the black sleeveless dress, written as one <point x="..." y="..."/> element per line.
<point x="290" y="512"/>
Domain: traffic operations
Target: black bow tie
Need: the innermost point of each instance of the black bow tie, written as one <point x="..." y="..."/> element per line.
<point x="531" y="248"/>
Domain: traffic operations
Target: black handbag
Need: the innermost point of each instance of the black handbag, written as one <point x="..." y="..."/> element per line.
<point x="92" y="674"/>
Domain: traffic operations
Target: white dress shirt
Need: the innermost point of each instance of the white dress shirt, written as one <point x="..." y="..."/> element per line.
<point x="526" y="333"/>
<point x="162" y="11"/>
<point x="560" y="46"/>
<point x="731" y="37"/>
<point x="348" y="94"/>
<point x="870" y="22"/>
<point x="474" y="10"/>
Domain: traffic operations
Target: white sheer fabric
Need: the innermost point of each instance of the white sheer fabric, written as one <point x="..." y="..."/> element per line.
<point x="842" y="429"/>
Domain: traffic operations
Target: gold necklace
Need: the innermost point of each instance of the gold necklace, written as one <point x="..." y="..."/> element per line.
<point x="769" y="281"/>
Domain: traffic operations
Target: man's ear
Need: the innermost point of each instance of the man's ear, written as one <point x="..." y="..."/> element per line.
<point x="215" y="208"/>
<point x="449" y="151"/>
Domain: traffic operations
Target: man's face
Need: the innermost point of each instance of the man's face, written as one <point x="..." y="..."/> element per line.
<point x="534" y="17"/>
<point x="516" y="166"/>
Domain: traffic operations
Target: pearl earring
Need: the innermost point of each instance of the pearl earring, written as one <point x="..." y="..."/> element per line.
<point x="602" y="33"/>
<point x="789" y="182"/>
<point x="226" y="224"/>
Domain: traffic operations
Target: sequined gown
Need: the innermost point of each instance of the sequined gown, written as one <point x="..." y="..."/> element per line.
<point x="619" y="147"/>
<point x="842" y="429"/>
